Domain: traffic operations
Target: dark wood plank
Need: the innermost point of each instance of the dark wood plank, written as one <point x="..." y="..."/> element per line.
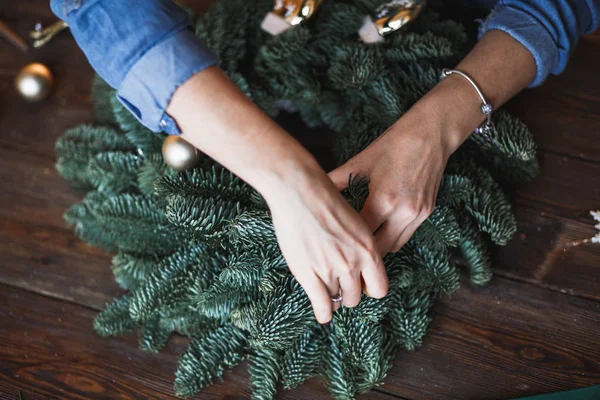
<point x="553" y="213"/>
<point x="547" y="252"/>
<point x="506" y="340"/>
<point x="564" y="113"/>
<point x="49" y="351"/>
<point x="52" y="261"/>
<point x="32" y="190"/>
<point x="567" y="186"/>
<point x="32" y="128"/>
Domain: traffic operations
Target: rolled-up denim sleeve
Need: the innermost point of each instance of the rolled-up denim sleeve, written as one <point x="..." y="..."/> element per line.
<point x="145" y="50"/>
<point x="549" y="29"/>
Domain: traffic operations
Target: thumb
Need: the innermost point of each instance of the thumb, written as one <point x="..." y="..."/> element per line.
<point x="340" y="176"/>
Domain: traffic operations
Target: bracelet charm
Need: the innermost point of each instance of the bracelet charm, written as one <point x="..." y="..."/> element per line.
<point x="486" y="107"/>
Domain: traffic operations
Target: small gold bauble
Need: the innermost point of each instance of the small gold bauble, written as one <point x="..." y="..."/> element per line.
<point x="394" y="14"/>
<point x="34" y="82"/>
<point x="296" y="12"/>
<point x="179" y="154"/>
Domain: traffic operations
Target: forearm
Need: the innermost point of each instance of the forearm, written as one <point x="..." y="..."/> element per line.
<point x="500" y="66"/>
<point x="217" y="118"/>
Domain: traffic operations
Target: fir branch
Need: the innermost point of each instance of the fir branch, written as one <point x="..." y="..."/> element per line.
<point x="101" y="95"/>
<point x="205" y="217"/>
<point x="131" y="270"/>
<point x="207" y="356"/>
<point x="265" y="371"/>
<point x="340" y="380"/>
<point x="114" y="319"/>
<point x="213" y="182"/>
<point x="280" y="317"/>
<point x="252" y="229"/>
<point x="410" y="317"/>
<point x="474" y="250"/>
<point x="77" y="147"/>
<point x="114" y="172"/>
<point x="302" y="360"/>
<point x="440" y="228"/>
<point x="150" y="175"/>
<point x="154" y="334"/>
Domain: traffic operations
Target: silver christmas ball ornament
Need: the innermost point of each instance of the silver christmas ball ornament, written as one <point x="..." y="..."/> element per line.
<point x="34" y="82"/>
<point x="179" y="154"/>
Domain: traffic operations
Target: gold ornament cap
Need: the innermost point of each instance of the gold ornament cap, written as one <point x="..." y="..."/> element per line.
<point x="289" y="13"/>
<point x="388" y="18"/>
<point x="34" y="82"/>
<point x="179" y="154"/>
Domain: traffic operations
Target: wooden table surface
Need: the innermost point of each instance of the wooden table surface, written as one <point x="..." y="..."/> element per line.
<point x="534" y="329"/>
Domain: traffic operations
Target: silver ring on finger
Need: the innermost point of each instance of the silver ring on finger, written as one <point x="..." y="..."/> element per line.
<point x="337" y="298"/>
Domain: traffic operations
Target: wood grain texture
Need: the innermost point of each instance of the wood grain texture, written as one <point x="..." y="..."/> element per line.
<point x="49" y="351"/>
<point x="494" y="342"/>
<point x="547" y="251"/>
<point x="533" y="330"/>
<point x="564" y="113"/>
<point x="503" y="341"/>
<point x="553" y="216"/>
<point x="566" y="185"/>
<point x="51" y="261"/>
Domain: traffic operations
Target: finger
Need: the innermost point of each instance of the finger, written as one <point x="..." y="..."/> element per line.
<point x="351" y="289"/>
<point x="339" y="176"/>
<point x="408" y="232"/>
<point x="365" y="290"/>
<point x="373" y="212"/>
<point x="318" y="294"/>
<point x="334" y="291"/>
<point x="374" y="278"/>
<point x="335" y="306"/>
<point x="390" y="232"/>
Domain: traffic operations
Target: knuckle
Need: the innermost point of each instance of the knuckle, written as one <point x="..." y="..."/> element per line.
<point x="322" y="312"/>
<point x="380" y="291"/>
<point x="323" y="318"/>
<point x="426" y="211"/>
<point x="411" y="210"/>
<point x="365" y="243"/>
<point x="349" y="262"/>
<point x="352" y="302"/>
<point x="388" y="202"/>
<point x="326" y="272"/>
<point x="371" y="253"/>
<point x="347" y="268"/>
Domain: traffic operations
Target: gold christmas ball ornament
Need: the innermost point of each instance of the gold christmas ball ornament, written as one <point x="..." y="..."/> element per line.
<point x="179" y="154"/>
<point x="289" y="13"/>
<point x="34" y="82"/>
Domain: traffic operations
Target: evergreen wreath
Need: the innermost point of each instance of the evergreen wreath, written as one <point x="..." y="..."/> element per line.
<point x="196" y="250"/>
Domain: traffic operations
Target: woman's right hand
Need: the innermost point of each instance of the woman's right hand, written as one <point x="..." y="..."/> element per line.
<point x="327" y="245"/>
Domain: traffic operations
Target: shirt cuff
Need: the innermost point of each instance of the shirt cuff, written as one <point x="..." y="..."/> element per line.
<point x="528" y="31"/>
<point x="149" y="85"/>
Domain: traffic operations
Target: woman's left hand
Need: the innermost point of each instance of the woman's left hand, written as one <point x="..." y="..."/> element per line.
<point x="404" y="166"/>
<point x="406" y="163"/>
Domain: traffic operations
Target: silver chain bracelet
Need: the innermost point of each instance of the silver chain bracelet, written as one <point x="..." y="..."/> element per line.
<point x="486" y="107"/>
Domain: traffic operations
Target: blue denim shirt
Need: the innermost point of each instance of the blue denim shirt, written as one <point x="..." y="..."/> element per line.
<point x="146" y="52"/>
